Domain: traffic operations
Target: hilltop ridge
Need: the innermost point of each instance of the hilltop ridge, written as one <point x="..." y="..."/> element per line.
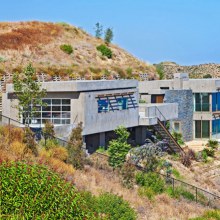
<point x="39" y="43"/>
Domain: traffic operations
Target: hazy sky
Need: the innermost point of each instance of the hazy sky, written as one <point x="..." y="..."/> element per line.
<point x="183" y="31"/>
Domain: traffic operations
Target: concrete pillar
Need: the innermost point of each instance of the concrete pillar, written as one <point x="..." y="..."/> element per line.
<point x="102" y="139"/>
<point x="140" y="134"/>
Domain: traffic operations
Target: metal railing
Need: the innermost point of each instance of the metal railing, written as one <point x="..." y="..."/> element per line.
<point x="191" y="192"/>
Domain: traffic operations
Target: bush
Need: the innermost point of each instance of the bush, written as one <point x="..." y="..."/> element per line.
<point x="178" y="192"/>
<point x="151" y="180"/>
<point x="114" y="207"/>
<point x="128" y="175"/>
<point x="207" y="76"/>
<point x="105" y="50"/>
<point x="212" y="214"/>
<point x="34" y="192"/>
<point x="209" y="152"/>
<point x="178" y="137"/>
<point x="66" y="48"/>
<point x="146" y="192"/>
<point x="60" y="153"/>
<point x="213" y="143"/>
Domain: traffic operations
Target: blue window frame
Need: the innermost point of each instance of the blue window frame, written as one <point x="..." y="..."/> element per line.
<point x="122" y="103"/>
<point x="103" y="105"/>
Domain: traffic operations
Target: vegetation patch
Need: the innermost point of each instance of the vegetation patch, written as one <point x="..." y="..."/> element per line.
<point x="66" y="48"/>
<point x="34" y="192"/>
<point x="105" y="51"/>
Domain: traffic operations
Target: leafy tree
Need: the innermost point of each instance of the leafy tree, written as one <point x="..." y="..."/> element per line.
<point x="98" y="30"/>
<point x="108" y="35"/>
<point x="28" y="92"/>
<point x="160" y="71"/>
<point x="118" y="148"/>
<point x="75" y="148"/>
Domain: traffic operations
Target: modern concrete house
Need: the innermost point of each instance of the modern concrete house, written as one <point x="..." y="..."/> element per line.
<point x="100" y="105"/>
<point x="198" y="104"/>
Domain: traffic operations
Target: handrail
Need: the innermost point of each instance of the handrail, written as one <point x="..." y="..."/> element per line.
<point x="170" y="135"/>
<point x="166" y="130"/>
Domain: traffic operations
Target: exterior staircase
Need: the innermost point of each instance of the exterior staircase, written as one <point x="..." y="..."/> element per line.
<point x="164" y="132"/>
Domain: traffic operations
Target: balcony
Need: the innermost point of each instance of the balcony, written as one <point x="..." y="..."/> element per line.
<point x="149" y="113"/>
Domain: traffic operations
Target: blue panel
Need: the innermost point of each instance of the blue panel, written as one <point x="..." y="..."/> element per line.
<point x="218" y="101"/>
<point x="214" y="98"/>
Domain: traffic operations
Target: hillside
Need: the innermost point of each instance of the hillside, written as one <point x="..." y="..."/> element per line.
<point x="195" y="71"/>
<point x="39" y="43"/>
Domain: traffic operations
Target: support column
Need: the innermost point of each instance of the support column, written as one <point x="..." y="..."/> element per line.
<point x="102" y="139"/>
<point x="140" y="134"/>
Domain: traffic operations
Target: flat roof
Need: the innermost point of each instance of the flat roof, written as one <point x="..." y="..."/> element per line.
<point x="83" y="85"/>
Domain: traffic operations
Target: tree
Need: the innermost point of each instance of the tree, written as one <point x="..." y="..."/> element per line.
<point x="108" y="36"/>
<point x="28" y="92"/>
<point x="48" y="132"/>
<point x="98" y="30"/>
<point x="118" y="148"/>
<point x="75" y="148"/>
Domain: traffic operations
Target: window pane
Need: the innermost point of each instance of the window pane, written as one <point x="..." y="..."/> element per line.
<point x="103" y="105"/>
<point x="205" y="129"/>
<point x="56" y="108"/>
<point x="56" y="121"/>
<point x="46" y="114"/>
<point x="46" y="108"/>
<point x="66" y="101"/>
<point x="205" y="102"/>
<point x="198" y="129"/>
<point x="65" y="115"/>
<point x="65" y="121"/>
<point x="65" y="108"/>
<point x="56" y="101"/>
<point x="47" y="101"/>
<point x="46" y="120"/>
<point x="36" y="121"/>
<point x="197" y="102"/>
<point x="122" y="103"/>
<point x="56" y="115"/>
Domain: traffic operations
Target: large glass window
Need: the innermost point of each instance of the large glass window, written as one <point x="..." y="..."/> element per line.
<point x="201" y="102"/>
<point x="202" y="129"/>
<point x="122" y="103"/>
<point x="216" y="101"/>
<point x="57" y="111"/>
<point x="103" y="105"/>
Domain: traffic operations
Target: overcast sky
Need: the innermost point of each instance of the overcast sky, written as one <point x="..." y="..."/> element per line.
<point x="183" y="31"/>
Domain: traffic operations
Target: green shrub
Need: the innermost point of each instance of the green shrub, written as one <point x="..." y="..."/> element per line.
<point x="212" y="214"/>
<point x="178" y="192"/>
<point x="176" y="173"/>
<point x="151" y="180"/>
<point x="114" y="207"/>
<point x="213" y="143"/>
<point x="34" y="192"/>
<point x="66" y="48"/>
<point x="204" y="156"/>
<point x="207" y="76"/>
<point x="104" y="50"/>
<point x="209" y="151"/>
<point x="146" y="192"/>
<point x="178" y="137"/>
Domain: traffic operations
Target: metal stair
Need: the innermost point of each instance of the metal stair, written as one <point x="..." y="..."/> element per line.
<point x="164" y="132"/>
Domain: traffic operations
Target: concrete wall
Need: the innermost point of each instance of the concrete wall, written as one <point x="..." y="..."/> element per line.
<point x="95" y="122"/>
<point x="184" y="98"/>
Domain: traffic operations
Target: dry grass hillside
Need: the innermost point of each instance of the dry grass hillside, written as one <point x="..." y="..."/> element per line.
<point x="207" y="70"/>
<point x="39" y="43"/>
